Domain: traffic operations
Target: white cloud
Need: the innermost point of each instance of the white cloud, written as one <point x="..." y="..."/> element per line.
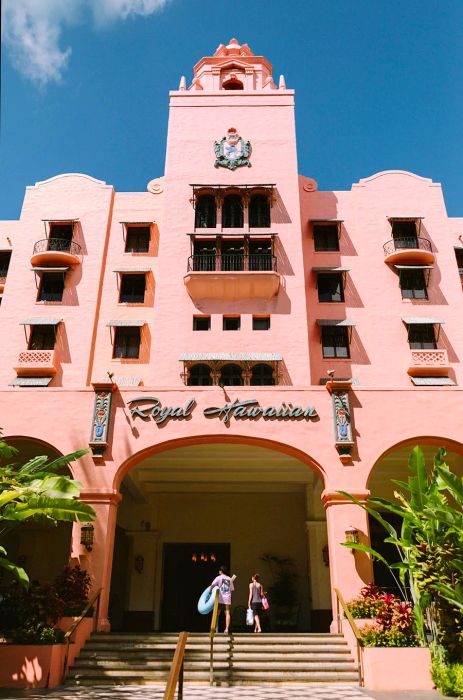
<point x="31" y="30"/>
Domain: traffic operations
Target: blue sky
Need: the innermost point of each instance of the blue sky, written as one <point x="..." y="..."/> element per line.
<point x="378" y="85"/>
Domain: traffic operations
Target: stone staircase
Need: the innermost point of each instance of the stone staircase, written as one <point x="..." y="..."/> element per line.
<point x="238" y="659"/>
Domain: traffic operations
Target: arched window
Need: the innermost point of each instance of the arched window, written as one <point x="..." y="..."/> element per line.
<point x="200" y="375"/>
<point x="205" y="213"/>
<point x="262" y="375"/>
<point x="231" y="375"/>
<point x="232" y="211"/>
<point x="233" y="84"/>
<point x="259" y="211"/>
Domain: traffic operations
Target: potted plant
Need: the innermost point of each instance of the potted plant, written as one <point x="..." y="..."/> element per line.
<point x="283" y="591"/>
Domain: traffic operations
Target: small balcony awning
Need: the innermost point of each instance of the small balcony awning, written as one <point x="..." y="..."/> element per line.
<point x="415" y="320"/>
<point x="132" y="270"/>
<point x="138" y="223"/>
<point x="328" y="222"/>
<point x="231" y="357"/>
<point x="405" y="218"/>
<point x="332" y="322"/>
<point x="246" y="186"/>
<point x="36" y="268"/>
<point x="116" y="322"/>
<point x="414" y="267"/>
<point x="31" y="381"/>
<point x="432" y="381"/>
<point x="43" y="321"/>
<point x="70" y="220"/>
<point x="330" y="269"/>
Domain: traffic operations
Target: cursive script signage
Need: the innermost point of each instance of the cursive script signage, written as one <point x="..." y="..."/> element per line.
<point x="250" y="409"/>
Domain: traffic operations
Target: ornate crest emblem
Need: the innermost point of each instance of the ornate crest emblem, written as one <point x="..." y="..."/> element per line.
<point x="231" y="151"/>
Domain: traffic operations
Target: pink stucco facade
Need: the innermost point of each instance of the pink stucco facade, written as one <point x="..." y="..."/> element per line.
<point x="385" y="411"/>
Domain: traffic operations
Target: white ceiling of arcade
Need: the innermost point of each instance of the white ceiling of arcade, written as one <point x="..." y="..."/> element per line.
<point x="218" y="468"/>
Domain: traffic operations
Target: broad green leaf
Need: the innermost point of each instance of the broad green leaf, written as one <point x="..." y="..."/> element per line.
<point x="17" y="571"/>
<point x="453" y="482"/>
<point x="418" y="483"/>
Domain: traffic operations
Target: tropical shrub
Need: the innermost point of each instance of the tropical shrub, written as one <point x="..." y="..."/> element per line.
<point x="367" y="604"/>
<point x="37" y="490"/>
<point x="448" y="677"/>
<point x="72" y="585"/>
<point x="430" y="545"/>
<point x="394" y="622"/>
<point x="37" y="634"/>
<point x="39" y="606"/>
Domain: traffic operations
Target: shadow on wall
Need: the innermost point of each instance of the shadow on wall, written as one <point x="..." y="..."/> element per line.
<point x="280" y="214"/>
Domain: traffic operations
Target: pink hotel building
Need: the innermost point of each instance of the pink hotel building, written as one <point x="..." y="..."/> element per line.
<point x="234" y="346"/>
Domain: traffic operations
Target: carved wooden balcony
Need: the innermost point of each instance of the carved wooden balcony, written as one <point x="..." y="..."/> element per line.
<point x="56" y="251"/>
<point x="410" y="249"/>
<point x="37" y="363"/>
<point x="429" y="363"/>
<point x="232" y="276"/>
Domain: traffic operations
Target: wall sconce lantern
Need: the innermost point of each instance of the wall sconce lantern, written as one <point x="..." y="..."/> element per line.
<point x="326" y="555"/>
<point x="86" y="536"/>
<point x="352" y="535"/>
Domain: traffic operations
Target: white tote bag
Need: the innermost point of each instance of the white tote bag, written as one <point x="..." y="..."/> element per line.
<point x="249" y="617"/>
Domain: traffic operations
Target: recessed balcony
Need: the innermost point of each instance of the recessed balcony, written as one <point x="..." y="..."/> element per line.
<point x="434" y="363"/>
<point x="410" y="249"/>
<point x="232" y="277"/>
<point x="2" y="279"/>
<point x="56" y="251"/>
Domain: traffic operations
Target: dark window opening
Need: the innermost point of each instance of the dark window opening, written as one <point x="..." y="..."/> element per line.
<point x="60" y="237"/>
<point x="260" y="255"/>
<point x="231" y="375"/>
<point x="421" y="336"/>
<point x="261" y="323"/>
<point x="200" y="375"/>
<point x="42" y="337"/>
<point x="231" y="323"/>
<point x="137" y="239"/>
<point x="232" y="211"/>
<point x="205" y="212"/>
<point x="458" y="256"/>
<point x="262" y="375"/>
<point x="204" y="256"/>
<point x="413" y="284"/>
<point x="133" y="289"/>
<point x="335" y="341"/>
<point x="404" y="234"/>
<point x="201" y="323"/>
<point x="51" y="287"/>
<point x="259" y="211"/>
<point x="330" y="287"/>
<point x="233" y="84"/>
<point x="4" y="263"/>
<point x="232" y="256"/>
<point x="325" y="237"/>
<point x="127" y="342"/>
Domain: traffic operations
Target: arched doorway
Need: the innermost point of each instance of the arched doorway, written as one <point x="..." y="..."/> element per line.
<point x="391" y="467"/>
<point x="191" y="508"/>
<point x="41" y="549"/>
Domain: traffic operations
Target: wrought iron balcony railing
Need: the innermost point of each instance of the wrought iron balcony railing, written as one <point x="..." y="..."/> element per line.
<point x="408" y="242"/>
<point x="60" y="245"/>
<point x="236" y="262"/>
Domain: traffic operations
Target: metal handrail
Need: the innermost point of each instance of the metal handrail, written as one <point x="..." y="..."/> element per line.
<point x="212" y="633"/>
<point x="232" y="262"/>
<point x="76" y="623"/>
<point x="357" y="634"/>
<point x="176" y="669"/>
<point x="407" y="242"/>
<point x="60" y="245"/>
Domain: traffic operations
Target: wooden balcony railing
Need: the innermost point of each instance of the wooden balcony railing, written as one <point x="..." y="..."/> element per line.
<point x="236" y="262"/>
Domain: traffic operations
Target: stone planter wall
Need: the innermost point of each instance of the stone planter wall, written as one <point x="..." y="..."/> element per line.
<point x="397" y="668"/>
<point x="31" y="665"/>
<point x="79" y="637"/>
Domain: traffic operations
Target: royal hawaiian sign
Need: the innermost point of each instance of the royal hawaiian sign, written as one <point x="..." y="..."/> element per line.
<point x="151" y="407"/>
<point x="232" y="151"/>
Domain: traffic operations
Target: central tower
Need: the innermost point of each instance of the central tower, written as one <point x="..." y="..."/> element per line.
<point x="231" y="233"/>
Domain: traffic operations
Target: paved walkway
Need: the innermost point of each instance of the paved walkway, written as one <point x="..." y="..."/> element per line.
<point x="196" y="691"/>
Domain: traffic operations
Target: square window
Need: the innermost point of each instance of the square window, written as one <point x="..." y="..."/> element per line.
<point x="133" y="289"/>
<point x="42" y="337"/>
<point x="127" y="342"/>
<point x="201" y="323"/>
<point x="421" y="336"/>
<point x="335" y="341"/>
<point x="413" y="284"/>
<point x="4" y="263"/>
<point x="330" y="287"/>
<point x="137" y="239"/>
<point x="51" y="287"/>
<point x="261" y="323"/>
<point x="325" y="237"/>
<point x="231" y="323"/>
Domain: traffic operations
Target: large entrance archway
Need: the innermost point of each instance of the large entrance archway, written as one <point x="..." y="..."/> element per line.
<point x="191" y="508"/>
